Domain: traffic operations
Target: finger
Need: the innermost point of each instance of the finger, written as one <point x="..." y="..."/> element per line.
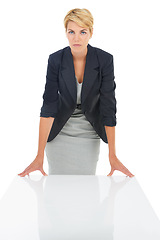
<point x="126" y="171"/>
<point x="26" y="172"/>
<point x="131" y="175"/>
<point x="42" y="171"/>
<point x="23" y="174"/>
<point x="111" y="172"/>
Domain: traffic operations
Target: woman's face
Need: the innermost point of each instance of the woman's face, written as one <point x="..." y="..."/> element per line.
<point x="78" y="37"/>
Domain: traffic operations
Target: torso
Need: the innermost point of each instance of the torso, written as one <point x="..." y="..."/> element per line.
<point x="79" y="67"/>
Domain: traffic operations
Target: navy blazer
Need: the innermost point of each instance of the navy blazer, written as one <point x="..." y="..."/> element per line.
<point x="98" y="102"/>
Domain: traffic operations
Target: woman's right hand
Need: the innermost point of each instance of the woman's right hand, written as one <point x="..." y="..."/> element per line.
<point x="37" y="164"/>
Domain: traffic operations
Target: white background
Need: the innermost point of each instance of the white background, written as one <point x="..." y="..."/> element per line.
<point x="129" y="30"/>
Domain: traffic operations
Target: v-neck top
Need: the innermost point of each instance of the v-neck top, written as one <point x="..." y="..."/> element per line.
<point x="79" y="88"/>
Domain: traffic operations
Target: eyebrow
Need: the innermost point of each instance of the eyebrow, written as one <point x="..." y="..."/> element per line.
<point x="81" y="30"/>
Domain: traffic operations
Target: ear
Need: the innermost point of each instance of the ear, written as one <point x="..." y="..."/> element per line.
<point x="91" y="33"/>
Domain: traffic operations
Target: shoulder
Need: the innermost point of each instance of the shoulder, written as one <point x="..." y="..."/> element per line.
<point x="57" y="53"/>
<point x="102" y="52"/>
<point x="103" y="56"/>
<point x="55" y="57"/>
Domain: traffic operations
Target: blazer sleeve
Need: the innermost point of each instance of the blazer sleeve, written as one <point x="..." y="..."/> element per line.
<point x="50" y="95"/>
<point x="107" y="93"/>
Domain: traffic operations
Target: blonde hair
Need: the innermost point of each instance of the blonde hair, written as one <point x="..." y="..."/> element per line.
<point x="82" y="17"/>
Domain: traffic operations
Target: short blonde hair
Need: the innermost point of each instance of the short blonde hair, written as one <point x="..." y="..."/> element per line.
<point x="82" y="17"/>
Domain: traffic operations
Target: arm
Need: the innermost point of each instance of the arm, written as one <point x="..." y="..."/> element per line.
<point x="44" y="129"/>
<point x="45" y="125"/>
<point x="114" y="161"/>
<point x="108" y="112"/>
<point x="50" y="105"/>
<point x="47" y="116"/>
<point x="110" y="132"/>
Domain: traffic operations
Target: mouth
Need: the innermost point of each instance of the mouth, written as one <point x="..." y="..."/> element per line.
<point x="76" y="45"/>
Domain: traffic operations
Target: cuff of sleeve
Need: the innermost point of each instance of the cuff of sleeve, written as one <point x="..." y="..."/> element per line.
<point x="42" y="114"/>
<point x="49" y="110"/>
<point x="109" y="122"/>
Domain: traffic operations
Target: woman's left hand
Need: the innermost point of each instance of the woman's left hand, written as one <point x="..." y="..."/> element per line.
<point x="117" y="165"/>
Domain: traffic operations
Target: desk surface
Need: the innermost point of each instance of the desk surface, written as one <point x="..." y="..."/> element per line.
<point x="79" y="207"/>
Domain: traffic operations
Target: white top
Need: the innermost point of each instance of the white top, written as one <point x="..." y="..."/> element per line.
<point x="79" y="88"/>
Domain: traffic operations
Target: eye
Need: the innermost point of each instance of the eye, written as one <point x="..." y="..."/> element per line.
<point x="73" y="32"/>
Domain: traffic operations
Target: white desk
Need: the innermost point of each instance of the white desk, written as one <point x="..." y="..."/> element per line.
<point x="77" y="207"/>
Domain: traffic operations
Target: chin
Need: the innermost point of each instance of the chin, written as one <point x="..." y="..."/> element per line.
<point x="77" y="49"/>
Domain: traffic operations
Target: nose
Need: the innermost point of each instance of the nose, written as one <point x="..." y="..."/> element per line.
<point x="76" y="37"/>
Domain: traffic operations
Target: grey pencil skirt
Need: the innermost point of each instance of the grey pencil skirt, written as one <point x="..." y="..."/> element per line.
<point x="72" y="155"/>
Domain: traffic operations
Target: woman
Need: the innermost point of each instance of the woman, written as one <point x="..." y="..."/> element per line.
<point x="79" y="105"/>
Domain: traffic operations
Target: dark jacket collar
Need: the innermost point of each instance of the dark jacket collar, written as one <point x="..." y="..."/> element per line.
<point x="90" y="72"/>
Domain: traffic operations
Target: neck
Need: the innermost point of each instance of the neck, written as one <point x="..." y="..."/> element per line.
<point x="79" y="55"/>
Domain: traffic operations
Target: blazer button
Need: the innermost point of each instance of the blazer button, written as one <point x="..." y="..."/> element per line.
<point x="79" y="106"/>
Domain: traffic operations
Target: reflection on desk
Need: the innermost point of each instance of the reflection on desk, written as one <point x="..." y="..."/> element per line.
<point x="79" y="207"/>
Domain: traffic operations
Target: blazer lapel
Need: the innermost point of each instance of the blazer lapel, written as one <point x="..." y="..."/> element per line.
<point x="90" y="73"/>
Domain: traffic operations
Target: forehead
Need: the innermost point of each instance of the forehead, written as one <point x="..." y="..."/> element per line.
<point x="73" y="25"/>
